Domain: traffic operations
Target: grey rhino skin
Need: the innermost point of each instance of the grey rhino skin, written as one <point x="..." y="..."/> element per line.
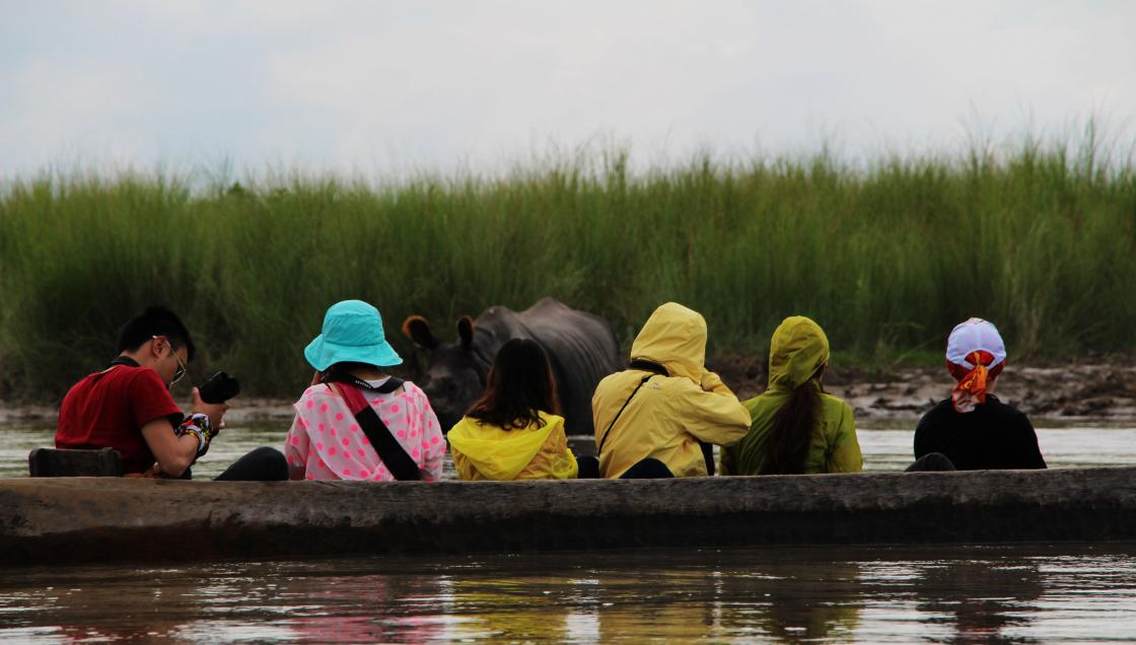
<point x="580" y="346"/>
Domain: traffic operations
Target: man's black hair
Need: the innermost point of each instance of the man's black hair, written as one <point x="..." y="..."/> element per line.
<point x="155" y="321"/>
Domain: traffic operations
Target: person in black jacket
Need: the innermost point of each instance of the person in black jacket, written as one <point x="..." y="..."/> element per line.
<point x="973" y="430"/>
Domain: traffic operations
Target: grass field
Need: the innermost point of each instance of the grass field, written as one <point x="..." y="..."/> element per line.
<point x="887" y="257"/>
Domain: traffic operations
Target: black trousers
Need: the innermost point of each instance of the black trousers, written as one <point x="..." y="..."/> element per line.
<point x="263" y="464"/>
<point x="649" y="468"/>
<point x="930" y="462"/>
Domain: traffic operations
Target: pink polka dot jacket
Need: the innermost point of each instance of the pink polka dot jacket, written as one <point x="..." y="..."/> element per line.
<point x="326" y="443"/>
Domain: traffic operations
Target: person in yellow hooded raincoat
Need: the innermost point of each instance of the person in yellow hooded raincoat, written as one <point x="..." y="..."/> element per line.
<point x="514" y="431"/>
<point x="667" y="404"/>
<point x="796" y="427"/>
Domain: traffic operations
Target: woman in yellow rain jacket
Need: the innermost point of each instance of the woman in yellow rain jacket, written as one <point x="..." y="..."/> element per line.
<point x="657" y="412"/>
<point x="514" y="431"/>
<point x="796" y="428"/>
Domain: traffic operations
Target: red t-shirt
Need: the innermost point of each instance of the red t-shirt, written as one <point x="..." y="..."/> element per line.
<point x="108" y="409"/>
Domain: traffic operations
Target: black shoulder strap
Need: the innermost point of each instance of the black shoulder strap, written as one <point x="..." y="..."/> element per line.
<point x="386" y="387"/>
<point x="390" y="385"/>
<point x="390" y="451"/>
<point x="603" y="438"/>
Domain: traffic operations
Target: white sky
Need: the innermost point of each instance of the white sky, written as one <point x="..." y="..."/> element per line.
<point x="371" y="87"/>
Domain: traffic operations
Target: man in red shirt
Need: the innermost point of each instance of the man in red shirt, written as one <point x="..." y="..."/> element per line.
<point x="128" y="407"/>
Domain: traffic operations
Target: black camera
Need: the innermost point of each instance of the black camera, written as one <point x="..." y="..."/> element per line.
<point x="219" y="388"/>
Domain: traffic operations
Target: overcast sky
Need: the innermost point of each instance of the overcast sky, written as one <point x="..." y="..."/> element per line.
<point x="371" y="87"/>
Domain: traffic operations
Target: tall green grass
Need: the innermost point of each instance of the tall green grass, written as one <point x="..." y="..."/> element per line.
<point x="887" y="257"/>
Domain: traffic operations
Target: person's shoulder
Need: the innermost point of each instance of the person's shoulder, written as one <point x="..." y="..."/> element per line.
<point x="138" y="379"/>
<point x="82" y="384"/>
<point x="618" y="385"/>
<point x="555" y="421"/>
<point x="674" y="384"/>
<point x="465" y="427"/>
<point x="613" y="376"/>
<point x="1007" y="411"/>
<point x="131" y="374"/>
<point x="416" y="394"/>
<point x="835" y="403"/>
<point x="77" y="393"/>
<point x="317" y="393"/>
<point x="837" y="411"/>
<point x="766" y="403"/>
<point x="938" y="419"/>
<point x="612" y="379"/>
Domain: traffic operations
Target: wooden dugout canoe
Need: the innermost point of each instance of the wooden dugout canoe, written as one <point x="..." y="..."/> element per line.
<point x="97" y="519"/>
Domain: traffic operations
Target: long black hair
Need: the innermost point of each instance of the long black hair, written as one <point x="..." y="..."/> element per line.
<point x="520" y="385"/>
<point x="787" y="447"/>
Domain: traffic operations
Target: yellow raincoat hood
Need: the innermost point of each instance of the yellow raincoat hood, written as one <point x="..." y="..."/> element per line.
<point x="499" y="454"/>
<point x="797" y="349"/>
<point x="674" y="337"/>
<point x="667" y="416"/>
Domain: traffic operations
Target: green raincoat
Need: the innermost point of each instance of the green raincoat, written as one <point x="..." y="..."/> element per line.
<point x="798" y="348"/>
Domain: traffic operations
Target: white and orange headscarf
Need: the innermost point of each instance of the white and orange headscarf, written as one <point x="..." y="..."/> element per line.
<point x="975" y="355"/>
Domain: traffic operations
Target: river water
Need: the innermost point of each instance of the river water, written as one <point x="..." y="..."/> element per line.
<point x="1069" y="446"/>
<point x="1075" y="593"/>
<point x="1018" y="593"/>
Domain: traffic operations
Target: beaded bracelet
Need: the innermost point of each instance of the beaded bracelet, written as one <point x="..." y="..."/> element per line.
<point x="200" y="436"/>
<point x="201" y="427"/>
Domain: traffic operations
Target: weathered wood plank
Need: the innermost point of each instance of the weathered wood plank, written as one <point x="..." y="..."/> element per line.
<point x="89" y="519"/>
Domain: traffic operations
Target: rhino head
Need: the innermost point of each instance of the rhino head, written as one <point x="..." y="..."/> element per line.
<point x="455" y="372"/>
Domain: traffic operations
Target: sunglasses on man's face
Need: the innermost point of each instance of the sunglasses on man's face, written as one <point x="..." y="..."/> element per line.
<point x="181" y="369"/>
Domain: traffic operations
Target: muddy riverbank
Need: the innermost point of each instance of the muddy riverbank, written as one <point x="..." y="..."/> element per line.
<point x="1089" y="391"/>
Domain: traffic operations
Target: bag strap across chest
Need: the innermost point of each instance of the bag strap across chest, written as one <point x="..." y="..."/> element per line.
<point x="390" y="451"/>
<point x="655" y="370"/>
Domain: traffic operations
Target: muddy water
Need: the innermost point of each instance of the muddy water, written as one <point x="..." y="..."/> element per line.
<point x="1021" y="593"/>
<point x="928" y="594"/>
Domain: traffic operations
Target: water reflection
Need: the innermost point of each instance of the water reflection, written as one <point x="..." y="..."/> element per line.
<point x="818" y="594"/>
<point x="679" y="604"/>
<point x="361" y="609"/>
<point x="511" y="609"/>
<point x="84" y="599"/>
<point x="978" y="599"/>
<point x="814" y="604"/>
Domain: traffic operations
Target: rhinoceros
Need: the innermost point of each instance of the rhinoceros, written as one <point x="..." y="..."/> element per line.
<point x="580" y="346"/>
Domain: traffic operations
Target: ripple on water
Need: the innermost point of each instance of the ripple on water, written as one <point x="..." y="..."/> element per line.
<point x="822" y="594"/>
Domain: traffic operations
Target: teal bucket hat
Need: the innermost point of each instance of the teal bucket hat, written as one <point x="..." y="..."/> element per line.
<point x="352" y="332"/>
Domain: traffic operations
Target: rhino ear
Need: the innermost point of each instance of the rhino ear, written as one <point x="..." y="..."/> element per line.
<point x="465" y="331"/>
<point x="417" y="329"/>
